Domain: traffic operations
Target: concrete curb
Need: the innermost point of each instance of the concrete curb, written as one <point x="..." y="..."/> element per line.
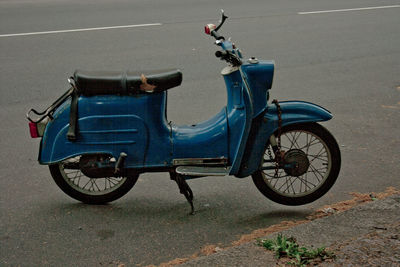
<point x="326" y="231"/>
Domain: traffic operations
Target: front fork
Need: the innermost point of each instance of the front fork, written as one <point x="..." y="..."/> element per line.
<point x="273" y="143"/>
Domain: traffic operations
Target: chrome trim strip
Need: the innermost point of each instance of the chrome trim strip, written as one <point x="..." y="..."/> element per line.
<point x="200" y="161"/>
<point x="203" y="171"/>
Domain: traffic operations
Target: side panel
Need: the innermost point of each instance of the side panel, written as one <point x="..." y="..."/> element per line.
<point x="266" y="124"/>
<point x="111" y="134"/>
<point x="112" y="124"/>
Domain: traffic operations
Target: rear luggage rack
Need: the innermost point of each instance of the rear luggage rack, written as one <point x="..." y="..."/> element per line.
<point x="48" y="112"/>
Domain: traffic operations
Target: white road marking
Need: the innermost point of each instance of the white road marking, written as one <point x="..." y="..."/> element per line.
<point x="81" y="30"/>
<point x="159" y="24"/>
<point x="349" y="9"/>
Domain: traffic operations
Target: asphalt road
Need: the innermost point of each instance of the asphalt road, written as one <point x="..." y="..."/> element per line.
<point x="348" y="62"/>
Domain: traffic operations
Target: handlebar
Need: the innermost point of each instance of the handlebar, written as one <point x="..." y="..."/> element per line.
<point x="216" y="35"/>
<point x="229" y="57"/>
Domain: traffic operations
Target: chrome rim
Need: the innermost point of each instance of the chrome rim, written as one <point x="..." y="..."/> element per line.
<point x="90" y="186"/>
<point x="318" y="171"/>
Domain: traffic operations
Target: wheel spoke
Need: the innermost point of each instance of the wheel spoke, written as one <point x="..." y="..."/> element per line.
<point x="293" y="141"/>
<point x="287" y="189"/>
<point x="113" y="181"/>
<point x="296" y="141"/>
<point x="94" y="182"/>
<point x="315" y="172"/>
<point x="72" y="172"/>
<point x="307" y="182"/>
<point x="281" y="185"/>
<point x="77" y="175"/>
<point x="276" y="181"/>
<point x="322" y="153"/>
<point x="291" y="184"/>
<point x="310" y="143"/>
<point x="86" y="184"/>
<point x="315" y="157"/>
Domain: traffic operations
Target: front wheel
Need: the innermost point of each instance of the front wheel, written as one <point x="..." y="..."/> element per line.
<point x="310" y="165"/>
<point x="74" y="183"/>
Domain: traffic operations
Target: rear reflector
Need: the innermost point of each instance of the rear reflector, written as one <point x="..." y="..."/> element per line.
<point x="33" y="130"/>
<point x="209" y="28"/>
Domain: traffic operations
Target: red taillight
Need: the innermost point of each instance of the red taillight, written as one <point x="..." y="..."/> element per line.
<point x="209" y="28"/>
<point x="33" y="130"/>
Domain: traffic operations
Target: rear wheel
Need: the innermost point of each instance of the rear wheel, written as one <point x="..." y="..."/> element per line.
<point x="74" y="183"/>
<point x="310" y="167"/>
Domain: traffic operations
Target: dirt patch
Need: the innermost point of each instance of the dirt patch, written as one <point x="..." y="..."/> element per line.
<point x="358" y="199"/>
<point x="390" y="107"/>
<point x="176" y="261"/>
<point x="210" y="249"/>
<point x="205" y="251"/>
<point x="267" y="231"/>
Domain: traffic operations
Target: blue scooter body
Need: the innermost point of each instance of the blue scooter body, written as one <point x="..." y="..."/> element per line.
<point x="137" y="125"/>
<point x="111" y="126"/>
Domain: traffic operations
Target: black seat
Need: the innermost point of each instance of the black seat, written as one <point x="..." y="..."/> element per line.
<point x="125" y="83"/>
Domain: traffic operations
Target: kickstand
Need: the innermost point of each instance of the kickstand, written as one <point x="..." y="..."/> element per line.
<point x="184" y="189"/>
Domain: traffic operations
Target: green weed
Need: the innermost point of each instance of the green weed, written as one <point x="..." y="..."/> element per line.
<point x="288" y="247"/>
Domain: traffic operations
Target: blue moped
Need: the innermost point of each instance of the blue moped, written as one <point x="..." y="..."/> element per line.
<point x="110" y="127"/>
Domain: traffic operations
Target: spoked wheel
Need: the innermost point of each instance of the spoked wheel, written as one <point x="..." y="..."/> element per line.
<point x="74" y="183"/>
<point x="310" y="165"/>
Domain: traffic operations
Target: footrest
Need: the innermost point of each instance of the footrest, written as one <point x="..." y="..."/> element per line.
<point x="203" y="171"/>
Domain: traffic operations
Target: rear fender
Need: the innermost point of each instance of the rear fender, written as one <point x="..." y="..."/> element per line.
<point x="266" y="124"/>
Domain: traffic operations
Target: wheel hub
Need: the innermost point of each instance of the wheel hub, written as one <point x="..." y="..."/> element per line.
<point x="297" y="161"/>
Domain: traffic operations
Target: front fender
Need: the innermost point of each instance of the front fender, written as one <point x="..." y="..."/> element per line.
<point x="296" y="112"/>
<point x="265" y="125"/>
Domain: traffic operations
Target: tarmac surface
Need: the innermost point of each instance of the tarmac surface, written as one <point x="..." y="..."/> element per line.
<point x="347" y="62"/>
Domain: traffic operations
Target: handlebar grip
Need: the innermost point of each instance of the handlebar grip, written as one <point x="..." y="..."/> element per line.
<point x="229" y="57"/>
<point x="221" y="54"/>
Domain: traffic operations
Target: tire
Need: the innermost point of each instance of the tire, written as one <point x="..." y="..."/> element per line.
<point x="90" y="190"/>
<point x="319" y="154"/>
